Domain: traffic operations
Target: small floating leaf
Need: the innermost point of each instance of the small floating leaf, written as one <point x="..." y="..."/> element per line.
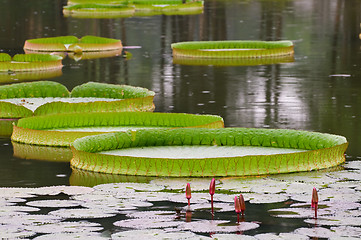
<point x="206" y="226"/>
<point x="315" y="232"/>
<point x="81" y="213"/>
<point x="71" y="236"/>
<point x="68" y="227"/>
<point x="54" y="203"/>
<point x="146" y="223"/>
<point x="267" y="198"/>
<point x="153" y="234"/>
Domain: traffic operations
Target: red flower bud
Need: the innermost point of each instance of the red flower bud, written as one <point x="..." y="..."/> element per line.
<point x="212" y="187"/>
<point x="314" y="201"/>
<point x="188" y="191"/>
<point x="237" y="205"/>
<point x="242" y="203"/>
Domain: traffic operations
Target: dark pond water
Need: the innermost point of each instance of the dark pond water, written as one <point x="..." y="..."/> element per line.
<point x="319" y="91"/>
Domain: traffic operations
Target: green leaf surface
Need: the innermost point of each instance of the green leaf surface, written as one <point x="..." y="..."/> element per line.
<point x="326" y="150"/>
<point x="93" y="89"/>
<point x="40" y="129"/>
<point x="33" y="89"/>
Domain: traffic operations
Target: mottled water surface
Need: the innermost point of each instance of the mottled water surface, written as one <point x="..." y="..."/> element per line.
<point x="320" y="90"/>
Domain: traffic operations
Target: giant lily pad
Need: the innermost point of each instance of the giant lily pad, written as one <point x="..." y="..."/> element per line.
<point x="232" y="49"/>
<point x="96" y="10"/>
<point x="120" y="8"/>
<point x="29" y="62"/>
<point x="318" y="151"/>
<point x="63" y="129"/>
<point x="72" y="44"/>
<point x="44" y="97"/>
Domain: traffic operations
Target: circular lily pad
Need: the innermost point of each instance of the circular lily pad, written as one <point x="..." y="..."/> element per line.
<point x="72" y="44"/>
<point x="156" y="234"/>
<point x="54" y="203"/>
<point x="232" y="49"/>
<point x="81" y="213"/>
<point x="67" y="227"/>
<point x="29" y="62"/>
<point x="43" y="97"/>
<point x="317" y="151"/>
<point x="61" y="130"/>
<point x="71" y="236"/>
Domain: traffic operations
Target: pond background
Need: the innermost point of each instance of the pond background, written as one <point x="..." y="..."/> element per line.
<point x="319" y="91"/>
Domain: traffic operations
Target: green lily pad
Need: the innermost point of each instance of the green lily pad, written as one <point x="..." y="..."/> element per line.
<point x="30" y="62"/>
<point x="90" y="152"/>
<point x="61" y="130"/>
<point x="232" y="49"/>
<point x="72" y="44"/>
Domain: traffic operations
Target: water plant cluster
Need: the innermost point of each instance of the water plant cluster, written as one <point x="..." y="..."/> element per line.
<point x="45" y="98"/>
<point x="164" y="208"/>
<point x="326" y="202"/>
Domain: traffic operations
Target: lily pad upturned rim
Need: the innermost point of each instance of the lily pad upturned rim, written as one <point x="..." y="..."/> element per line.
<point x="232" y="49"/>
<point x="73" y="44"/>
<point x="324" y="150"/>
<point x="37" y="130"/>
<point x="128" y="98"/>
<point x="29" y="62"/>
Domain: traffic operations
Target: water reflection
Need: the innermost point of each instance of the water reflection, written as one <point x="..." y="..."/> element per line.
<point x="310" y="93"/>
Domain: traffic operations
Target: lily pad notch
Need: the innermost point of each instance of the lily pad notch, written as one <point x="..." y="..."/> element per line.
<point x="72" y="44"/>
<point x="319" y="151"/>
<point x="29" y="62"/>
<point x="232" y="49"/>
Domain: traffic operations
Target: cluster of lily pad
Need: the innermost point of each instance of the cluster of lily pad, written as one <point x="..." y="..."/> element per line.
<point x="158" y="208"/>
<point x="129" y="8"/>
<point x="43" y="56"/>
<point x="45" y="98"/>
